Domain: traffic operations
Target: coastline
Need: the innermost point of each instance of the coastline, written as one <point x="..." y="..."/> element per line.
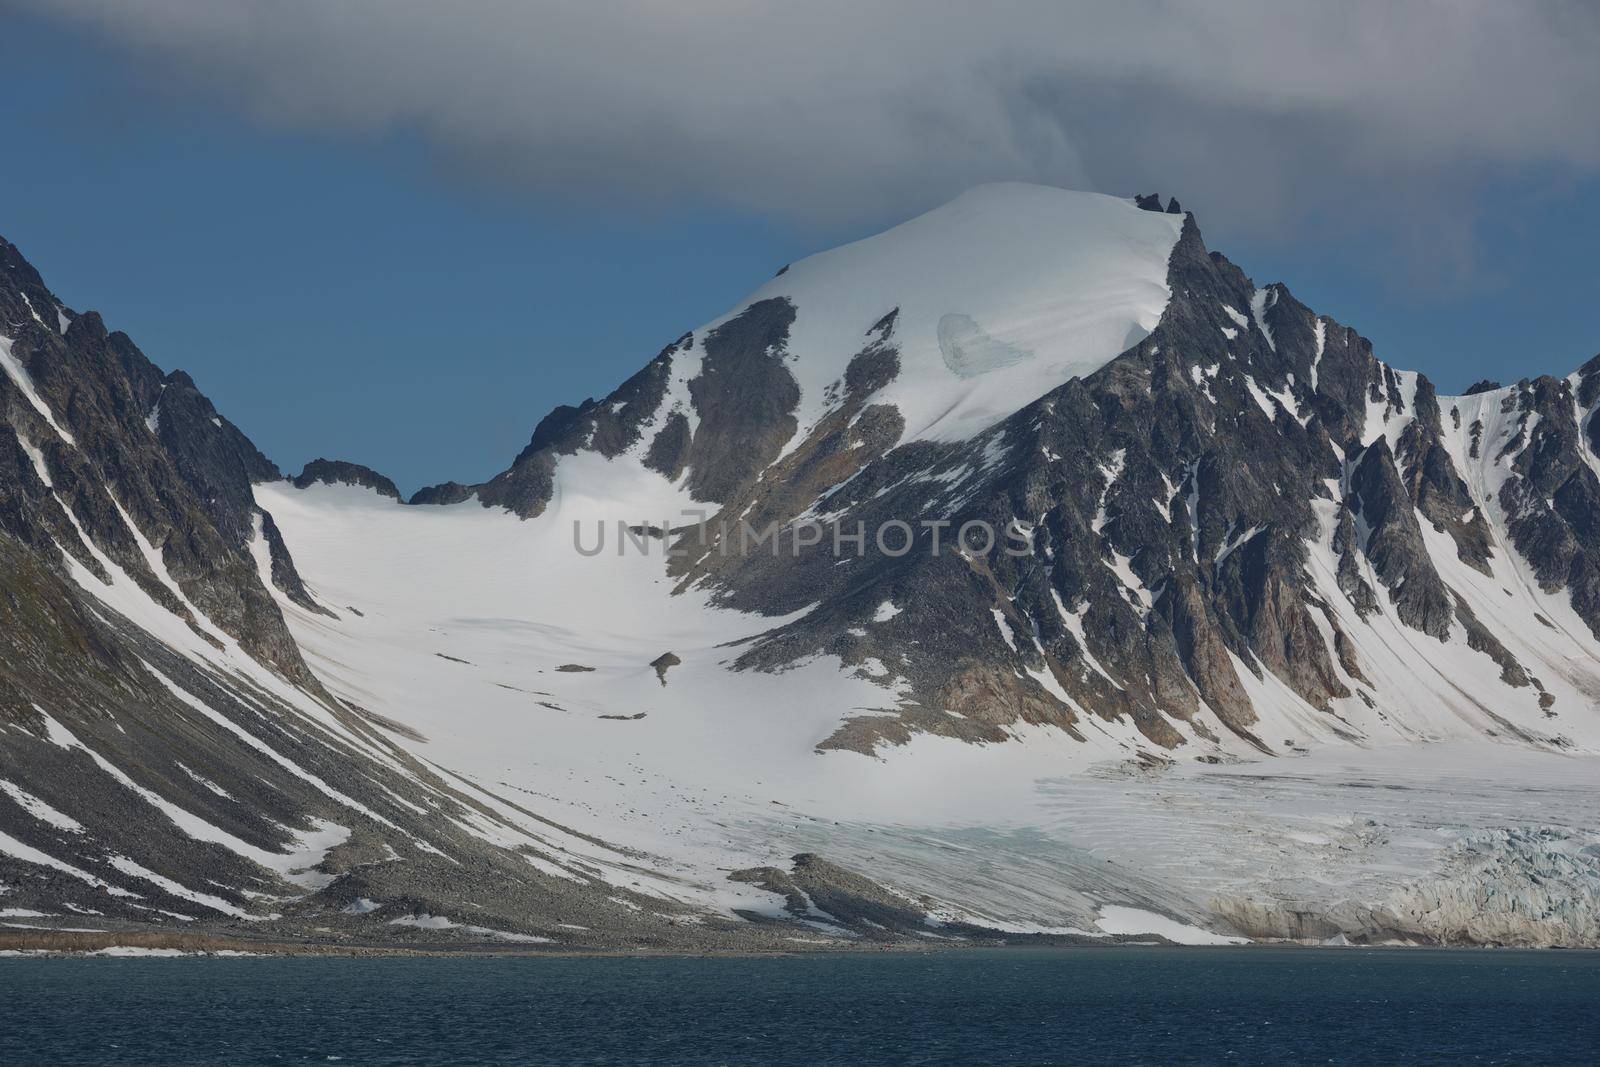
<point x="61" y="944"/>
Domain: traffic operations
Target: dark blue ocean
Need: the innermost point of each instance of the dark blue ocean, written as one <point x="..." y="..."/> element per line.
<point x="1003" y="1006"/>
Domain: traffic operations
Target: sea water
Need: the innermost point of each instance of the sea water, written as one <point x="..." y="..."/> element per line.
<point x="987" y="1006"/>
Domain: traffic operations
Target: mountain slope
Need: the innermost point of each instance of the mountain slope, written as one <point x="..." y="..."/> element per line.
<point x="167" y="759"/>
<point x="1223" y="531"/>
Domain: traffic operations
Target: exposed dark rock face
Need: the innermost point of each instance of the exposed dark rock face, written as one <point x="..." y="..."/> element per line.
<point x="443" y="493"/>
<point x="1394" y="542"/>
<point x="1439" y="492"/>
<point x="746" y="398"/>
<point x="821" y="892"/>
<point x="133" y="455"/>
<point x="284" y="576"/>
<point x="608" y="427"/>
<point x="1152" y="202"/>
<point x="814" y="885"/>
<point x="663" y="663"/>
<point x="1552" y="504"/>
<point x="339" y="472"/>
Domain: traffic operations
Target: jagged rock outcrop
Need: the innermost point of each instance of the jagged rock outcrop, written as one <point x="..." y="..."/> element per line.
<point x="443" y="493"/>
<point x="341" y="472"/>
<point x="140" y="463"/>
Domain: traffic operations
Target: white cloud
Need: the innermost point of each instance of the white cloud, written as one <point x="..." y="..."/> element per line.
<point x="836" y="114"/>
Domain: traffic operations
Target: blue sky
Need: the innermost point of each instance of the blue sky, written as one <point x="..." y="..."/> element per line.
<point x="335" y="299"/>
<point x="363" y="295"/>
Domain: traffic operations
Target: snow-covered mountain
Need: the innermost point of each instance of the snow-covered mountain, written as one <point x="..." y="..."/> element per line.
<point x="1269" y="639"/>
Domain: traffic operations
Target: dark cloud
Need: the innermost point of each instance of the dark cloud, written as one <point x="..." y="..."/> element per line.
<point x="1268" y="116"/>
